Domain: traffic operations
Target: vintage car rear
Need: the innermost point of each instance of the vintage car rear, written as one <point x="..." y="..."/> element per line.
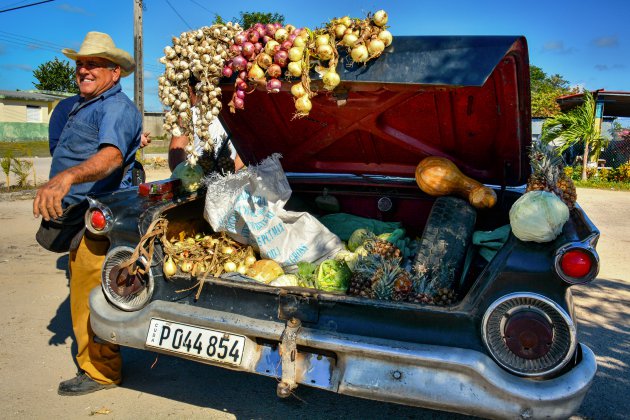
<point x="505" y="347"/>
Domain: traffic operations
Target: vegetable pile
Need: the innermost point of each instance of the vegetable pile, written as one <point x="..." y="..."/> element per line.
<point x="263" y="55"/>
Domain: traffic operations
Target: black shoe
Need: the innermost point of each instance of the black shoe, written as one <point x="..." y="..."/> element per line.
<point x="81" y="385"/>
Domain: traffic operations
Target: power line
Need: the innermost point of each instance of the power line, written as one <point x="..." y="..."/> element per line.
<point x="202" y="6"/>
<point x="34" y="41"/>
<point x="26" y="5"/>
<point x="177" y="13"/>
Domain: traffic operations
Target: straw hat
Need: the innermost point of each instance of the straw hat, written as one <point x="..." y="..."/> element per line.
<point x="98" y="44"/>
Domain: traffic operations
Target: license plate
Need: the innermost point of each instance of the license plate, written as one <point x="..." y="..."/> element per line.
<point x="194" y="341"/>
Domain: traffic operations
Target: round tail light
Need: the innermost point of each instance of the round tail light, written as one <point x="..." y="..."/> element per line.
<point x="576" y="264"/>
<point x="99" y="218"/>
<point x="129" y="293"/>
<point x="528" y="334"/>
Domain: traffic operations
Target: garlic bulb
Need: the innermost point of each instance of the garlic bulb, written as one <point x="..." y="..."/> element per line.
<point x="202" y="53"/>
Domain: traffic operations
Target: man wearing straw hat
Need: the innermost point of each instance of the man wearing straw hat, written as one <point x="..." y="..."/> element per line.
<point x="99" y="140"/>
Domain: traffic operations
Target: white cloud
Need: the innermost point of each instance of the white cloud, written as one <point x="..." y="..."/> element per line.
<point x="556" y="47"/>
<point x="606" y="41"/>
<point x="72" y="9"/>
<point x="20" y="67"/>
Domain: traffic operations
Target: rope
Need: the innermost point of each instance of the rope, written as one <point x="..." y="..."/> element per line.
<point x="156" y="228"/>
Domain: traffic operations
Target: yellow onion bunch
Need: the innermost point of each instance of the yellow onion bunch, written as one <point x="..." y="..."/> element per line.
<point x="200" y="53"/>
<point x="364" y="39"/>
<point x="205" y="254"/>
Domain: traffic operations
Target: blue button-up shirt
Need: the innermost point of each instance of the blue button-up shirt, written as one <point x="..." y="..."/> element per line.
<point x="109" y="119"/>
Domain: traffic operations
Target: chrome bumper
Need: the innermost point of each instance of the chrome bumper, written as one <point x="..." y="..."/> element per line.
<point x="436" y="377"/>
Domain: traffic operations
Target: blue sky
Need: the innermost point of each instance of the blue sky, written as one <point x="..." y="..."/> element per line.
<point x="587" y="42"/>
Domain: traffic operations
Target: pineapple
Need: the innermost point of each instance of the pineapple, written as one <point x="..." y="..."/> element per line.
<point x="378" y="246"/>
<point x="206" y="160"/>
<point x="384" y="279"/>
<point x="363" y="275"/>
<point x="225" y="165"/>
<point x="403" y="286"/>
<point x="548" y="175"/>
<point x="421" y="287"/>
<point x="379" y="277"/>
<point x="444" y="296"/>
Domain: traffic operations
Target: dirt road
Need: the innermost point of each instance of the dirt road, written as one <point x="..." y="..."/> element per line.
<point x="36" y="343"/>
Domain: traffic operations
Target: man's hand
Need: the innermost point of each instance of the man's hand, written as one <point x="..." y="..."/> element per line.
<point x="47" y="201"/>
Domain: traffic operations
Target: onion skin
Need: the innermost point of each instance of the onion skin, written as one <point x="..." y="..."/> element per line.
<point x="274" y="71"/>
<point x="386" y="37"/>
<point x="297" y="90"/>
<point x="296" y="53"/>
<point x="227" y="71"/>
<point x="331" y="79"/>
<point x="325" y="52"/>
<point x="359" y="54"/>
<point x="295" y="68"/>
<point x="380" y="18"/>
<point x="376" y="46"/>
<point x="264" y="60"/>
<point x="303" y="104"/>
<point x="274" y="85"/>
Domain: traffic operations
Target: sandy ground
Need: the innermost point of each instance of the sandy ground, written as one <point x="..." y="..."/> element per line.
<point x="36" y="343"/>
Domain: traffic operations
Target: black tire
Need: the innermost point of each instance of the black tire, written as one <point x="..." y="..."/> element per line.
<point x="445" y="241"/>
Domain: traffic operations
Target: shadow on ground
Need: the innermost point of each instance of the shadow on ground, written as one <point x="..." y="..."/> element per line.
<point x="607" y="333"/>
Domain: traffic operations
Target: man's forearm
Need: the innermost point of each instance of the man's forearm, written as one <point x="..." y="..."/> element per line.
<point x="99" y="166"/>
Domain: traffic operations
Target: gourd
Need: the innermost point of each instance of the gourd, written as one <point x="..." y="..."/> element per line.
<point x="439" y="176"/>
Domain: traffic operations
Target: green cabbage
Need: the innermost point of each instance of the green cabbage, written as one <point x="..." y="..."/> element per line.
<point x="357" y="238"/>
<point x="190" y="176"/>
<point x="333" y="276"/>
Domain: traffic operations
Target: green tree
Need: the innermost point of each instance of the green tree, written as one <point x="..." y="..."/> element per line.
<point x="248" y="19"/>
<point x="56" y="75"/>
<point x="545" y="90"/>
<point x="575" y="126"/>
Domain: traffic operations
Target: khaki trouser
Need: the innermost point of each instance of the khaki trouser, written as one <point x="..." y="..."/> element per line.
<point x="101" y="362"/>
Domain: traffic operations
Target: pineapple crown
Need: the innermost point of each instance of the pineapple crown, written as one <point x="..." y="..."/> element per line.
<point x="383" y="285"/>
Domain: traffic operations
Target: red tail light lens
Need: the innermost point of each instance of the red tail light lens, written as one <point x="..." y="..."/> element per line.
<point x="576" y="263"/>
<point x="97" y="219"/>
<point x="528" y="334"/>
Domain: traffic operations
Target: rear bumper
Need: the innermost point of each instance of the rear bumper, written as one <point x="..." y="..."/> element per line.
<point x="437" y="377"/>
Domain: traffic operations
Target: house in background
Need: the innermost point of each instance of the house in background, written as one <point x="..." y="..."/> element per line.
<point x="24" y="115"/>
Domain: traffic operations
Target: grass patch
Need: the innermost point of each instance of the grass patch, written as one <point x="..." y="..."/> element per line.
<point x="603" y="185"/>
<point x="24" y="149"/>
<point x="40" y="148"/>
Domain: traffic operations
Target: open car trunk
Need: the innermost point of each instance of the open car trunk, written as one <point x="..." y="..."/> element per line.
<point x="466" y="99"/>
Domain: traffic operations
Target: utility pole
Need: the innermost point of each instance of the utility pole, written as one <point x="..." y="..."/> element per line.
<point x="138" y="79"/>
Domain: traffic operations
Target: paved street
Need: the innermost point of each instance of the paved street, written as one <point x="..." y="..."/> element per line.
<point x="36" y="344"/>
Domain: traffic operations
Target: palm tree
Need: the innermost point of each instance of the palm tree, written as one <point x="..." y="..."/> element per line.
<point x="575" y="126"/>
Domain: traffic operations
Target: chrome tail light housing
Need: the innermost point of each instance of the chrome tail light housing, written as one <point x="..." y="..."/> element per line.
<point x="576" y="263"/>
<point x="98" y="218"/>
<point x="529" y="335"/>
<point x="126" y="292"/>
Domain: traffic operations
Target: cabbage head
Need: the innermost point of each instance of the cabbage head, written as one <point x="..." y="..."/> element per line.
<point x="190" y="176"/>
<point x="333" y="276"/>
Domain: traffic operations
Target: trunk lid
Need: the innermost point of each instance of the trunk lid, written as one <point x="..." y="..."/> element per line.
<point x="466" y="98"/>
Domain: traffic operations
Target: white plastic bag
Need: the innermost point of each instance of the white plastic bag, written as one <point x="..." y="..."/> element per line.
<point x="249" y="206"/>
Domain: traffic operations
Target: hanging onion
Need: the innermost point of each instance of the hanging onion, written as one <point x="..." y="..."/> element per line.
<point x="303" y="104"/>
<point x="297" y="90"/>
<point x="380" y="18"/>
<point x="359" y="54"/>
